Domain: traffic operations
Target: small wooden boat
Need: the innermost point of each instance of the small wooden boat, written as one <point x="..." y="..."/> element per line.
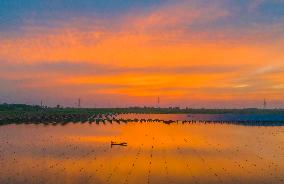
<point x="112" y="143"/>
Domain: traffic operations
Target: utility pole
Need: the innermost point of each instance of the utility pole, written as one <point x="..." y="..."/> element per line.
<point x="158" y="102"/>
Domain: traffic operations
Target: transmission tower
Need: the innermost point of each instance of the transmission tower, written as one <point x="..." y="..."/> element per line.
<point x="79" y="103"/>
<point x="264" y="103"/>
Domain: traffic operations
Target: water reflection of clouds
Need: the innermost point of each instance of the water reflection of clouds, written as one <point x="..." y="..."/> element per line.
<point x="82" y="153"/>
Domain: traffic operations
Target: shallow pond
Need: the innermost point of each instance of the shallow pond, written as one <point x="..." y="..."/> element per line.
<point x="155" y="153"/>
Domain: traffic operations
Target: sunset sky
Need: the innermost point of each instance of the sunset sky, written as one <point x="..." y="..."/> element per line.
<point x="118" y="53"/>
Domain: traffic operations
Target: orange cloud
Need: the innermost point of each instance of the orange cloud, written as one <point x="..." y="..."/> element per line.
<point x="155" y="40"/>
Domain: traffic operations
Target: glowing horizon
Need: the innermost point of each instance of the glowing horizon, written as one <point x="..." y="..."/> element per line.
<point x="195" y="53"/>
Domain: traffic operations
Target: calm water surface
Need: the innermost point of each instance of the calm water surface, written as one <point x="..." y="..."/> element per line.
<point x="156" y="153"/>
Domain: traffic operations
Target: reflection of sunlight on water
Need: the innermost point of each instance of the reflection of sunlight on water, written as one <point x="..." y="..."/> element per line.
<point x="156" y="153"/>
